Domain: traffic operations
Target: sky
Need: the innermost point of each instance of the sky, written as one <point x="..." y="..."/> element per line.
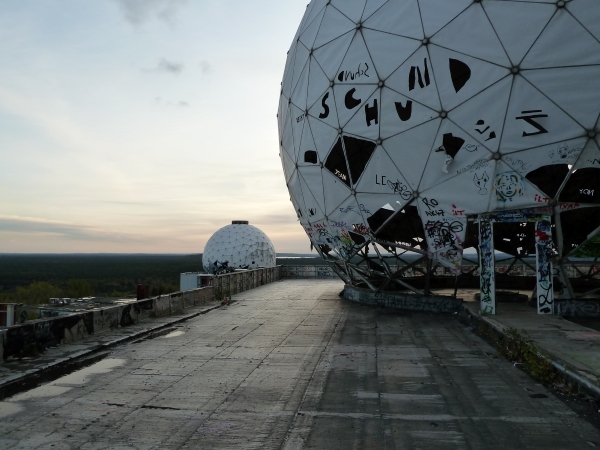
<point x="142" y="126"/>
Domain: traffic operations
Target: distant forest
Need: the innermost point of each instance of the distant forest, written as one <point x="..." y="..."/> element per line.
<point x="33" y="279"/>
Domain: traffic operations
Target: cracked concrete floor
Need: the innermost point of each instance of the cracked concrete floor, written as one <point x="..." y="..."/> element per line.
<point x="291" y="365"/>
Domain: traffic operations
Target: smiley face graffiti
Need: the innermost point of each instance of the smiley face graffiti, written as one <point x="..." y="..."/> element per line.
<point x="508" y="186"/>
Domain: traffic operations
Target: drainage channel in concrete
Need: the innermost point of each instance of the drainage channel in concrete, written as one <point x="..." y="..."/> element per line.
<point x="31" y="379"/>
<point x="59" y="386"/>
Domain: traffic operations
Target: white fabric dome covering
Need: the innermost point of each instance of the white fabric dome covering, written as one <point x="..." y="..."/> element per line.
<point x="440" y="109"/>
<point x="241" y="246"/>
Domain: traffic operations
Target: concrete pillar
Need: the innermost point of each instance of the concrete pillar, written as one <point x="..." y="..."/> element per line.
<point x="487" y="276"/>
<point x="10" y="315"/>
<point x="543" y="247"/>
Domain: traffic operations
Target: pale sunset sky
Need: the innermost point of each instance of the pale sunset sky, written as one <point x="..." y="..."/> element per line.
<point x="144" y="126"/>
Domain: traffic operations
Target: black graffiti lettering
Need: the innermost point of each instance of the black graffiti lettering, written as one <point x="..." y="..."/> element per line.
<point x="443" y="233"/>
<point x="372" y="113"/>
<point x="530" y="120"/>
<point x="404" y="112"/>
<point x="350" y="101"/>
<point x="346" y="75"/>
<point x="312" y="212"/>
<point x="415" y="75"/>
<point x="430" y="203"/>
<point x="439" y="212"/>
<point x="545" y="300"/>
<point x="486" y="283"/>
<point x="382" y="180"/>
<point x="325" y="112"/>
<point x="460" y="74"/>
<point x="399" y="188"/>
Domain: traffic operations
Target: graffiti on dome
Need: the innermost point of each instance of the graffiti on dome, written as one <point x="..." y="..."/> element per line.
<point x="481" y="182"/>
<point x="481" y="130"/>
<point x="508" y="186"/>
<point x="351" y="75"/>
<point x="383" y="119"/>
<point x="563" y="154"/>
<point x="530" y="118"/>
<point x="400" y="188"/>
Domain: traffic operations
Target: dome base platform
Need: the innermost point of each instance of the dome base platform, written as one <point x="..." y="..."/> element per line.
<point x="403" y="300"/>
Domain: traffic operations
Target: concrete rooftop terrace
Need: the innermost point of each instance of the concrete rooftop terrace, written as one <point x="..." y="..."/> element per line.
<point x="292" y="365"/>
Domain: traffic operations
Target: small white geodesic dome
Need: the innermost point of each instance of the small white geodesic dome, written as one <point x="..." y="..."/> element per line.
<point x="400" y="119"/>
<point x="241" y="246"/>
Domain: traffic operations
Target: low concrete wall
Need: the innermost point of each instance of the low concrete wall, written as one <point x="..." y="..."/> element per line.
<point x="35" y="336"/>
<point x="233" y="283"/>
<point x="176" y="301"/>
<point x="188" y="299"/>
<point x="162" y="306"/>
<point x="2" y="337"/>
<point x="202" y="296"/>
<point x="578" y="308"/>
<point x="318" y="272"/>
<point x="400" y="300"/>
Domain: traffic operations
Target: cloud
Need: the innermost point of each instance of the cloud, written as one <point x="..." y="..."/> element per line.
<point x="276" y="219"/>
<point x="206" y="68"/>
<point x="33" y="226"/>
<point x="164" y="65"/>
<point x="137" y="12"/>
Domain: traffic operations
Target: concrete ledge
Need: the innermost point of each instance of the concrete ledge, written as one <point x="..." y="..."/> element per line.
<point x="35" y="336"/>
<point x="402" y="300"/>
<point x="92" y="352"/>
<point x="561" y="357"/>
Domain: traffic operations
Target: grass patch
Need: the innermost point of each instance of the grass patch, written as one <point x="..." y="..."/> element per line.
<point x="522" y="352"/>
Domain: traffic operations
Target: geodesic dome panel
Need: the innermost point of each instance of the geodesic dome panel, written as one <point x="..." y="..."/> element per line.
<point x="240" y="246"/>
<point x="441" y="110"/>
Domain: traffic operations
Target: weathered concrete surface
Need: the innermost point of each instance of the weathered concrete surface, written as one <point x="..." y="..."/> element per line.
<point x="292" y="365"/>
<point x="23" y="371"/>
<point x="571" y="345"/>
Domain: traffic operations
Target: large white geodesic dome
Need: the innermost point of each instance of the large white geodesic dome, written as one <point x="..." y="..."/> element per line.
<point x="240" y="246"/>
<point x="401" y="119"/>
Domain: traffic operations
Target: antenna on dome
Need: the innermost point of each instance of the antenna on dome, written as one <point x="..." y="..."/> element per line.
<point x="239" y="222"/>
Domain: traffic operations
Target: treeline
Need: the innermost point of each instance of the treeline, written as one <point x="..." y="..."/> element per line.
<point x="33" y="279"/>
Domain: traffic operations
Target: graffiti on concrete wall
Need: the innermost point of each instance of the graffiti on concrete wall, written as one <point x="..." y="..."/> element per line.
<point x="543" y="244"/>
<point x="47" y="313"/>
<point x="38" y="336"/>
<point x="308" y="272"/>
<point x="486" y="267"/>
<point x="445" y="237"/>
<point x="578" y="308"/>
